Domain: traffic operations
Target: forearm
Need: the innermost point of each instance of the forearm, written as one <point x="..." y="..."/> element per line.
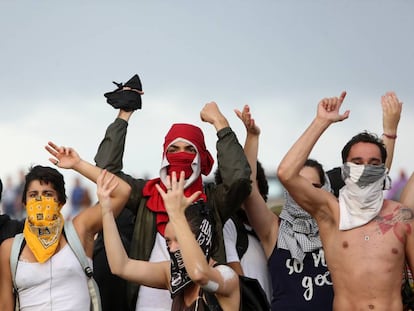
<point x="220" y="123"/>
<point x="235" y="172"/>
<point x="87" y="170"/>
<point x="295" y="158"/>
<point x="232" y="161"/>
<point x="111" y="149"/>
<point x="251" y="147"/>
<point x="194" y="259"/>
<point x="116" y="254"/>
<point x="389" y="146"/>
<point x="92" y="172"/>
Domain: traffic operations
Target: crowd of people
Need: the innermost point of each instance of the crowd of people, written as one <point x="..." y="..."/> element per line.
<point x="176" y="242"/>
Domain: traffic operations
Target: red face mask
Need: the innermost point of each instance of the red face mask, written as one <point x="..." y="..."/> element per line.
<point x="180" y="161"/>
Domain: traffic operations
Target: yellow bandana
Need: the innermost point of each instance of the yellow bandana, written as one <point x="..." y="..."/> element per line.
<point x="43" y="226"/>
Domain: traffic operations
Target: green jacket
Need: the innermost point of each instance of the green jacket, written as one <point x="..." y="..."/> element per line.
<point x="225" y="198"/>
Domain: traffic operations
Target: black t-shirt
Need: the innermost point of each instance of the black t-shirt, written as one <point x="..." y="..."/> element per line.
<point x="296" y="286"/>
<point x="9" y="227"/>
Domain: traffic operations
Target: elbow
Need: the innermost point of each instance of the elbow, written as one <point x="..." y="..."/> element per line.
<point x="116" y="270"/>
<point x="199" y="276"/>
<point x="126" y="192"/>
<point x="283" y="174"/>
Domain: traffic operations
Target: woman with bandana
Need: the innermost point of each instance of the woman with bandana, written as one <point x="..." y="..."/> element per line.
<point x="291" y="243"/>
<point x="184" y="149"/>
<point x="366" y="238"/>
<point x="189" y="235"/>
<point x="49" y="275"/>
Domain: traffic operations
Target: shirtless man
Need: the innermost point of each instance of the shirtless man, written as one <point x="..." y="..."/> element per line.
<point x="365" y="237"/>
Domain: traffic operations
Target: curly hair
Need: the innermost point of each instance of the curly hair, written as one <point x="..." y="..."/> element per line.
<point x="46" y="175"/>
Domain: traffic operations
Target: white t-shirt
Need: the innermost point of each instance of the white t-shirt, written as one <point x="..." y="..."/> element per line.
<point x="154" y="299"/>
<point x="254" y="262"/>
<point x="58" y="284"/>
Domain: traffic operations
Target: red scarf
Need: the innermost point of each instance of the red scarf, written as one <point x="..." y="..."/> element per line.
<point x="156" y="204"/>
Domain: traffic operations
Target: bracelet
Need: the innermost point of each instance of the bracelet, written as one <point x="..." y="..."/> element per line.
<point x="394" y="136"/>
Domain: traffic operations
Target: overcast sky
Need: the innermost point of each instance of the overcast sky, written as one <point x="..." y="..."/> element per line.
<point x="280" y="57"/>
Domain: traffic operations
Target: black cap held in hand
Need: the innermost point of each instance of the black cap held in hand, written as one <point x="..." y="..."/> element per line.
<point x="128" y="100"/>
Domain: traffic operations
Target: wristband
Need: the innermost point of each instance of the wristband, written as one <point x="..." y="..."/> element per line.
<point x="394" y="136"/>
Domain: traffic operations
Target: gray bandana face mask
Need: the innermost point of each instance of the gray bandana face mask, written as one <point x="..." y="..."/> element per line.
<point x="364" y="175"/>
<point x="361" y="199"/>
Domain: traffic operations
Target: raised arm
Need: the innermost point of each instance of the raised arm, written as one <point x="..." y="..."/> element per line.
<point x="391" y="113"/>
<point x="313" y="200"/>
<point x="89" y="221"/>
<point x="232" y="164"/>
<point x="194" y="259"/>
<point x="264" y="222"/>
<point x="141" y="272"/>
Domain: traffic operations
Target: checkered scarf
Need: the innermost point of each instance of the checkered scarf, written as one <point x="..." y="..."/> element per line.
<point x="298" y="230"/>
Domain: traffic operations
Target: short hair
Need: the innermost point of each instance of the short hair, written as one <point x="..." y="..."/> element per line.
<point x="47" y="175"/>
<point x="261" y="179"/>
<point x="319" y="168"/>
<point x="364" y="137"/>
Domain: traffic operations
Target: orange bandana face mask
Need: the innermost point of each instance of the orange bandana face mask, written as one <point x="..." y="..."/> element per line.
<point x="43" y="226"/>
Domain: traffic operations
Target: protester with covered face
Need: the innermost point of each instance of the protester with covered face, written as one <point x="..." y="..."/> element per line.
<point x="49" y="276"/>
<point x="366" y="238"/>
<point x="184" y="150"/>
<point x="292" y="248"/>
<point x="190" y="271"/>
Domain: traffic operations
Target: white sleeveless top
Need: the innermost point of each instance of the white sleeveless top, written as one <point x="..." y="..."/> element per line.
<point x="154" y="299"/>
<point x="58" y="284"/>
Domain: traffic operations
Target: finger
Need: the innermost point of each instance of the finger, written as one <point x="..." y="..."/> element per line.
<point x="160" y="191"/>
<point x="53" y="145"/>
<point x="342" y="96"/>
<point x="182" y="180"/>
<point x="112" y="187"/>
<point x="194" y="196"/>
<point x="108" y="179"/>
<point x="174" y="180"/>
<point x="168" y="182"/>
<point x="51" y="151"/>
<point x="238" y="113"/>
<point x="345" y="115"/>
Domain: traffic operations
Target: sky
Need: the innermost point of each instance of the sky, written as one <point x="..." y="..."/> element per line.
<point x="58" y="58"/>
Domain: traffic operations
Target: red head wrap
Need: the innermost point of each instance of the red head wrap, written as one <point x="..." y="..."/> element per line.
<point x="195" y="135"/>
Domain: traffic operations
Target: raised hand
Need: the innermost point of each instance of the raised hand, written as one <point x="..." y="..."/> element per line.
<point x="64" y="157"/>
<point x="174" y="199"/>
<point x="212" y="114"/>
<point x="105" y="186"/>
<point x="246" y="117"/>
<point x="391" y="112"/>
<point x="328" y="109"/>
